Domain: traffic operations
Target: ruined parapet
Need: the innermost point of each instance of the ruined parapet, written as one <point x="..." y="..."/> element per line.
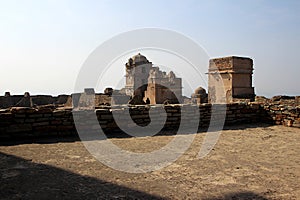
<point x="62" y="99"/>
<point x="85" y="99"/>
<point x="236" y="76"/>
<point x="26" y="101"/>
<point x="90" y="99"/>
<point x="89" y="91"/>
<point x="108" y="91"/>
<point x="297" y="100"/>
<point x="7" y="100"/>
<point x="262" y="99"/>
<point x="75" y="99"/>
<point x="42" y="100"/>
<point x="280" y="100"/>
<point x="58" y="121"/>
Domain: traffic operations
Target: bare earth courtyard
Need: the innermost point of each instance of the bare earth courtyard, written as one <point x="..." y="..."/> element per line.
<point x="248" y="162"/>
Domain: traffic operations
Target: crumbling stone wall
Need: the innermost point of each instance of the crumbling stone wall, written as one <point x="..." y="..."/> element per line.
<point x="28" y="122"/>
<point x="42" y="121"/>
<point x="282" y="110"/>
<point x="46" y="121"/>
<point x="282" y="115"/>
<point x="26" y="100"/>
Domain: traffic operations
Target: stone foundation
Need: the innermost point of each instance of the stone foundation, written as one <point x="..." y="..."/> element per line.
<point x="18" y="122"/>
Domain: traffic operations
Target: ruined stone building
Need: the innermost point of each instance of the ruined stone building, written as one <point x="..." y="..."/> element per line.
<point x="150" y="84"/>
<point x="199" y="96"/>
<point x="137" y="72"/>
<point x="236" y="76"/>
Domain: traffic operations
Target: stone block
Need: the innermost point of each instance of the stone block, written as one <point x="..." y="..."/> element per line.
<point x="48" y="128"/>
<point x="288" y="122"/>
<point x="4" y="111"/>
<point x="21" y="110"/>
<point x="19" y="128"/>
<point x="27" y="120"/>
<point x="35" y="116"/>
<point x="65" y="127"/>
<point x="20" y="115"/>
<point x="45" y="110"/>
<point x="67" y="123"/>
<point x="56" y="122"/>
<point x="58" y="113"/>
<point x="19" y="120"/>
<point x="40" y="124"/>
<point x="43" y="119"/>
<point x="105" y="117"/>
<point x="6" y="116"/>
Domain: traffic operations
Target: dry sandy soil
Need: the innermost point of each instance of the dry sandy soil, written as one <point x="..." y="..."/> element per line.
<point x="248" y="162"/>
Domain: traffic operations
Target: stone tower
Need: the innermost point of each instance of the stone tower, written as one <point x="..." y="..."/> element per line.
<point x="137" y="72"/>
<point x="148" y="84"/>
<point x="236" y="74"/>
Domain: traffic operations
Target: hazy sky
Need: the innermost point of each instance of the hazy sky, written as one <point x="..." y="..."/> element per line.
<point x="44" y="43"/>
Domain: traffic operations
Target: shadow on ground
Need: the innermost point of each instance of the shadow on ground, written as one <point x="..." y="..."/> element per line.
<point x="23" y="179"/>
<point x="74" y="137"/>
<point x="246" y="126"/>
<point x="239" y="196"/>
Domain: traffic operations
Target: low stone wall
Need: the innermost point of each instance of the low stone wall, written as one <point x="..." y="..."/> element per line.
<point x="282" y="115"/>
<point x="49" y="120"/>
<point x="31" y="101"/>
<point x="28" y="122"/>
<point x="281" y="110"/>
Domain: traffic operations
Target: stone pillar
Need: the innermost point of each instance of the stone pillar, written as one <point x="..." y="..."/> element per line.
<point x="234" y="75"/>
<point x="7" y="94"/>
<point x="26" y="95"/>
<point x="89" y="91"/>
<point x="75" y="99"/>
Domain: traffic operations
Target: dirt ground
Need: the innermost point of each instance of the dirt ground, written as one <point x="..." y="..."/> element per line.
<point x="248" y="162"/>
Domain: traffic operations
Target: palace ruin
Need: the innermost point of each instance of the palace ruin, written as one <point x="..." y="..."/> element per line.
<point x="150" y="83"/>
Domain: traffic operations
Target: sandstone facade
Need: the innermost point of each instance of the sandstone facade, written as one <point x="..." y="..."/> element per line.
<point x="234" y="74"/>
<point x="151" y="84"/>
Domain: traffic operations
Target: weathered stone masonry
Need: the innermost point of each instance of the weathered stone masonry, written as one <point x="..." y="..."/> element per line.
<point x="51" y="121"/>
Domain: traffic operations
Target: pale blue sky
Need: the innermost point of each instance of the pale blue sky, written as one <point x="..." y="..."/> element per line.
<point x="44" y="43"/>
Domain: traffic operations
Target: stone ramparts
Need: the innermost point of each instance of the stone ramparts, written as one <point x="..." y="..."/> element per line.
<point x="17" y="122"/>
